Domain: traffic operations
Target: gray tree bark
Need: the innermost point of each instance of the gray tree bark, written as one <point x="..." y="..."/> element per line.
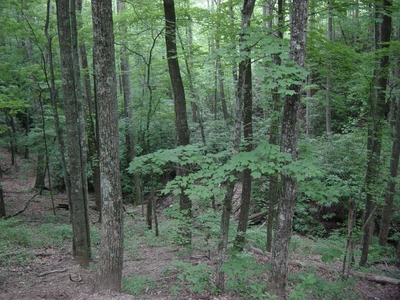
<point x="274" y="133"/>
<point x="75" y="130"/>
<point x="112" y="239"/>
<point x="92" y="142"/>
<point x="280" y="249"/>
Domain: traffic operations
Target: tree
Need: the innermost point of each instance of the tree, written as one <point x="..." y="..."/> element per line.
<point x="181" y="125"/>
<point x="328" y="78"/>
<point x="244" y="91"/>
<point x="75" y="130"/>
<point x="92" y="141"/>
<point x="391" y="183"/>
<point x="128" y="110"/>
<point x="274" y="132"/>
<point x="289" y="136"/>
<point x="377" y="114"/>
<point x="112" y="241"/>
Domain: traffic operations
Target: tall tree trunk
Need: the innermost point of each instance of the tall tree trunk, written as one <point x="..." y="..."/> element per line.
<point x="92" y="141"/>
<point x="112" y="238"/>
<point x="394" y="162"/>
<point x="391" y="184"/>
<point x="244" y="91"/>
<point x="247" y="11"/>
<point x="181" y="125"/>
<point x="54" y="102"/>
<point x="378" y="112"/>
<point x="274" y="134"/>
<point x="328" y="79"/>
<point x="75" y="130"/>
<point x="128" y="110"/>
<point x="196" y="117"/>
<point x="220" y="73"/>
<point x="280" y="249"/>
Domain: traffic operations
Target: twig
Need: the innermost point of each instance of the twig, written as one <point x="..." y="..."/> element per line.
<point x="51" y="272"/>
<point x="21" y="211"/>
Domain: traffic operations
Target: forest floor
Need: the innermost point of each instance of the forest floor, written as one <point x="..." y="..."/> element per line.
<point x="31" y="268"/>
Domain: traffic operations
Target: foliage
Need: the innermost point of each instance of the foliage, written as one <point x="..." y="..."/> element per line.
<point x="194" y="277"/>
<point x="311" y="286"/>
<point x="341" y="160"/>
<point x="135" y="285"/>
<point x="245" y="276"/>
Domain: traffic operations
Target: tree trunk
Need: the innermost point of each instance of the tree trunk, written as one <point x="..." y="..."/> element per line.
<point x="75" y="130"/>
<point x="54" y="99"/>
<point x="280" y="249"/>
<point x="394" y="164"/>
<point x="328" y="79"/>
<point x="244" y="91"/>
<point x="40" y="173"/>
<point x="274" y="135"/>
<point x="128" y="110"/>
<point x="220" y="73"/>
<point x="227" y="203"/>
<point x="398" y="255"/>
<point x="2" y="205"/>
<point x="92" y="141"/>
<point x="181" y="125"/>
<point x="391" y="184"/>
<point x="112" y="239"/>
<point x="224" y="236"/>
<point x="196" y="115"/>
<point x="377" y="118"/>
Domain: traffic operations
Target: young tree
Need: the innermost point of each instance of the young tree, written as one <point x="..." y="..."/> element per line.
<point x="75" y="130"/>
<point x="279" y="270"/>
<point x="112" y="240"/>
<point x="247" y="11"/>
<point x="181" y="124"/>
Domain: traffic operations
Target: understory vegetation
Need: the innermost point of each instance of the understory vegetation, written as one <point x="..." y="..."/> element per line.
<point x="192" y="270"/>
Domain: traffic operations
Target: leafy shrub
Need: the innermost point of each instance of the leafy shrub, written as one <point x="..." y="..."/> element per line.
<point x="246" y="276"/>
<point x="136" y="284"/>
<point x="194" y="277"/>
<point x="311" y="286"/>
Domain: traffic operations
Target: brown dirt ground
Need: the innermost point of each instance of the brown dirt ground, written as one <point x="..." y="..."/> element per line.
<point x="53" y="274"/>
